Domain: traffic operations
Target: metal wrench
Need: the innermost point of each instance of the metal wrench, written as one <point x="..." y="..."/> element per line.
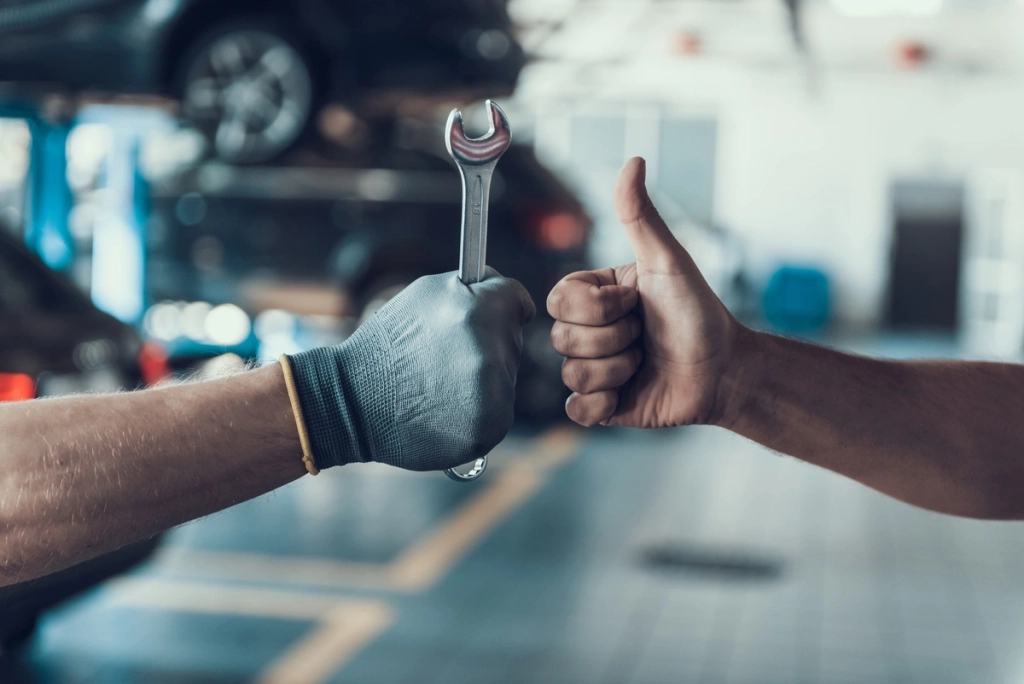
<point x="476" y="159"/>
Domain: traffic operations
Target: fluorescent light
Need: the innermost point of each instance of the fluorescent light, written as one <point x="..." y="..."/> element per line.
<point x="163" y="321"/>
<point x="888" y="8"/>
<point x="227" y="325"/>
<point x="193" y="320"/>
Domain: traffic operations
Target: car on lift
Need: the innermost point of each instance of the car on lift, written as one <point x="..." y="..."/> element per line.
<point x="252" y="74"/>
<point x="53" y="335"/>
<point x="367" y="230"/>
<point x="53" y="341"/>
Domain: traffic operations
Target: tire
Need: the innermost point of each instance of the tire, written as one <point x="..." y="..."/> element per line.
<point x="250" y="90"/>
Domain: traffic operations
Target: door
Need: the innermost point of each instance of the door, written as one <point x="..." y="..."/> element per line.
<point x="924" y="279"/>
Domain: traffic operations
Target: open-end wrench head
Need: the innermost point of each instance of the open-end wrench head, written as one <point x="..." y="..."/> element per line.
<point x="476" y="151"/>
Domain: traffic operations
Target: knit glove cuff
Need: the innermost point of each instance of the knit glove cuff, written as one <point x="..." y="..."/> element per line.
<point x="348" y="396"/>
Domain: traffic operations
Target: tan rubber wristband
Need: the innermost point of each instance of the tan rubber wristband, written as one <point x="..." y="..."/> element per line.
<point x="300" y="422"/>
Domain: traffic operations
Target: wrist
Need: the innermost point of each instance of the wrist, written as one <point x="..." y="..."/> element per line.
<point x="272" y="408"/>
<point x="347" y="395"/>
<point x="288" y="374"/>
<point x="738" y="385"/>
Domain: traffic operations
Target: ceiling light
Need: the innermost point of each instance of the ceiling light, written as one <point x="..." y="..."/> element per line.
<point x="888" y="8"/>
<point x="227" y="325"/>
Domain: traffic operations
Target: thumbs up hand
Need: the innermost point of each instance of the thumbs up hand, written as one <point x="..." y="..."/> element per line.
<point x="647" y="344"/>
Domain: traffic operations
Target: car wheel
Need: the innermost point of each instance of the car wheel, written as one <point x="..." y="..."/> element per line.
<point x="250" y="91"/>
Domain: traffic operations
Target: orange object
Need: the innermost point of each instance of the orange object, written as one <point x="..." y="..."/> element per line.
<point x="688" y="43"/>
<point x="17" y="387"/>
<point x="153" y="363"/>
<point x="913" y="53"/>
<point x="555" y="230"/>
<point x="561" y="231"/>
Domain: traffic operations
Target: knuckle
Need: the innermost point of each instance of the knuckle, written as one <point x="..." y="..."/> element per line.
<point x="512" y="296"/>
<point x="598" y="344"/>
<point x="582" y="376"/>
<point x="584" y="416"/>
<point x="489" y="422"/>
<point x="609" y="308"/>
<point x="483" y="444"/>
<point x="507" y="417"/>
<point x="566" y="340"/>
<point x="576" y="409"/>
<point x="491" y="380"/>
<point x="576" y="375"/>
<point x="576" y="413"/>
<point x="567" y="376"/>
<point x="589" y="410"/>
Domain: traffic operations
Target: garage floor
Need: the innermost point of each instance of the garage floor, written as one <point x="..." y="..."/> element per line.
<point x="600" y="556"/>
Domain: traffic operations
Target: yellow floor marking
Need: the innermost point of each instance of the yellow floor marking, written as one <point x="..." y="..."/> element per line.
<point x="427" y="560"/>
<point x="342" y="634"/>
<point x="344" y="626"/>
<point x="218" y="599"/>
<point x="258" y="567"/>
<point x="552" y="449"/>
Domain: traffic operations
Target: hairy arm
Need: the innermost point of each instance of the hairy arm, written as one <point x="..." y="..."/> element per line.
<point x="83" y="475"/>
<point x="943" y="435"/>
<point x="649" y="345"/>
<point x="80" y="476"/>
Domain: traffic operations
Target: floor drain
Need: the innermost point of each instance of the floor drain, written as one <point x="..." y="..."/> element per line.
<point x="725" y="564"/>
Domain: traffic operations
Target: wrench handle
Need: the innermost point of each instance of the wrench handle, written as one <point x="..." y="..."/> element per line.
<point x="476" y="195"/>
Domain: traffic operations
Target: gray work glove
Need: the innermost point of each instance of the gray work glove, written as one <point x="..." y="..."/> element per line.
<point x="426" y="383"/>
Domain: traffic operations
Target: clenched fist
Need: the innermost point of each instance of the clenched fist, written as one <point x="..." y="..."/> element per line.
<point x="426" y="383"/>
<point x="647" y="344"/>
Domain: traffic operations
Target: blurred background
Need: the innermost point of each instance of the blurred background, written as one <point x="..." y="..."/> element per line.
<point x="188" y="187"/>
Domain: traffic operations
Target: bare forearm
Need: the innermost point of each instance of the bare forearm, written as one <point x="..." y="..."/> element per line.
<point x="948" y="436"/>
<point x="85" y="475"/>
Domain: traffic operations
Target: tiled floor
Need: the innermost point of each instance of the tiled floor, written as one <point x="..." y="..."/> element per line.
<point x="602" y="556"/>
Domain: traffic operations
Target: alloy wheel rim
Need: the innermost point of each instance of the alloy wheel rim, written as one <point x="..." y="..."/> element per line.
<point x="250" y="91"/>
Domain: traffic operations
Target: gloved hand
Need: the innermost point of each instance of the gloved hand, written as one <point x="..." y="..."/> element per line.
<point x="647" y="344"/>
<point x="426" y="383"/>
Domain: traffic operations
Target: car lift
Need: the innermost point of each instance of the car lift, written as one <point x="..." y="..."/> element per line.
<point x="118" y="243"/>
<point x="47" y="195"/>
<point x="119" y="236"/>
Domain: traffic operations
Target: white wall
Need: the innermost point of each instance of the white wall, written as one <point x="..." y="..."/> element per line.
<point x="808" y="178"/>
<point x="804" y="172"/>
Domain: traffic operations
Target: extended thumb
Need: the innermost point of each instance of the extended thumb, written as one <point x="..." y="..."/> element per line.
<point x="654" y="245"/>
